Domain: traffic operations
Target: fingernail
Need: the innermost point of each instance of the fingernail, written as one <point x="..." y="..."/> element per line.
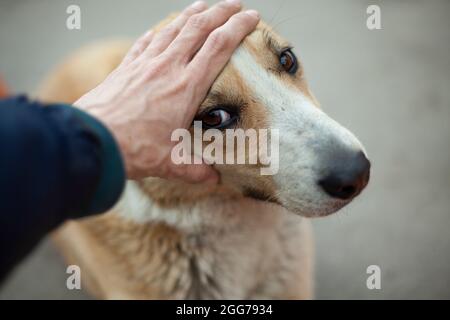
<point x="198" y="5"/>
<point x="253" y="13"/>
<point x="234" y="2"/>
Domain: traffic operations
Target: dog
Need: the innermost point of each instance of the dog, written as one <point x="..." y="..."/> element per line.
<point x="247" y="238"/>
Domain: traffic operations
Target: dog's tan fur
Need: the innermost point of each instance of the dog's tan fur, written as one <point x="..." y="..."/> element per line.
<point x="236" y="246"/>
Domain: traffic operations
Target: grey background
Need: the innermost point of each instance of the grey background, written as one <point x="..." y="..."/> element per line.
<point x="389" y="86"/>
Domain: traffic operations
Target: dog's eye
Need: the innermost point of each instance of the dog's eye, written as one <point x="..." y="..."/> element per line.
<point x="218" y="118"/>
<point x="288" y="61"/>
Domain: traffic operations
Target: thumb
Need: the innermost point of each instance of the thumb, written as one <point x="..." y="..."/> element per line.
<point x="196" y="173"/>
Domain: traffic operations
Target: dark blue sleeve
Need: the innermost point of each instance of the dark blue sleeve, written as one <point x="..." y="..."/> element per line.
<point x="56" y="163"/>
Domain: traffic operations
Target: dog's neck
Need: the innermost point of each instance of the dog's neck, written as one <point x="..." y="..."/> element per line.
<point x="178" y="204"/>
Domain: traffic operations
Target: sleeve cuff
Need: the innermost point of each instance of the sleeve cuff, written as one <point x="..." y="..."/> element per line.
<point x="111" y="180"/>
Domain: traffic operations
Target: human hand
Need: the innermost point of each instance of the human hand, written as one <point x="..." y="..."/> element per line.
<point x="162" y="81"/>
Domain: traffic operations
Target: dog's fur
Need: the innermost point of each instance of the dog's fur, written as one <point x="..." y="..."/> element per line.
<point x="238" y="240"/>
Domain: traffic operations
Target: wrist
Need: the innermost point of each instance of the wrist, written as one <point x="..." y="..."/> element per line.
<point x="112" y="174"/>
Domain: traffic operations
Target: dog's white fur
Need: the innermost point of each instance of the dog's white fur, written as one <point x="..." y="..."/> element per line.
<point x="237" y="239"/>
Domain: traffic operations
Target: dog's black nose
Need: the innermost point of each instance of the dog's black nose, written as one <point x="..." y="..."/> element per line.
<point x="348" y="176"/>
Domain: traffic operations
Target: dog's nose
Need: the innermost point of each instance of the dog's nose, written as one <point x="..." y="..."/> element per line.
<point x="348" y="176"/>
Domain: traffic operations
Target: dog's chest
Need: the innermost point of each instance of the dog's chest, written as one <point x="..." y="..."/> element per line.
<point x="244" y="249"/>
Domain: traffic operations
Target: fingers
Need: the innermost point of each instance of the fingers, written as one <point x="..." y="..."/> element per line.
<point x="218" y="48"/>
<point x="138" y="47"/>
<point x="167" y="34"/>
<point x="199" y="26"/>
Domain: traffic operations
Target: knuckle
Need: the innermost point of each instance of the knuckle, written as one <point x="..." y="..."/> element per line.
<point x="140" y="45"/>
<point x="219" y="40"/>
<point x="170" y="31"/>
<point x="183" y="84"/>
<point x="201" y="5"/>
<point x="198" y="22"/>
<point x="158" y="67"/>
<point x="188" y="12"/>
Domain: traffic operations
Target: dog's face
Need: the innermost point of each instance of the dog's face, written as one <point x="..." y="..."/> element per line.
<point x="322" y="166"/>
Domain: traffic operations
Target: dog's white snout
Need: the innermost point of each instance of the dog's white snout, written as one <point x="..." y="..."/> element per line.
<point x="344" y="169"/>
<point x="305" y="135"/>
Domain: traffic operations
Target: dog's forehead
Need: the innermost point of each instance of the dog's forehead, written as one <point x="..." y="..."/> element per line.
<point x="264" y="46"/>
<point x="265" y="37"/>
<point x="261" y="49"/>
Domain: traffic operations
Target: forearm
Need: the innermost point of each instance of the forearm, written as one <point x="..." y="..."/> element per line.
<point x="56" y="163"/>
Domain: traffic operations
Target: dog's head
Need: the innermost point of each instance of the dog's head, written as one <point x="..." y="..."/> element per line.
<point x="322" y="166"/>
